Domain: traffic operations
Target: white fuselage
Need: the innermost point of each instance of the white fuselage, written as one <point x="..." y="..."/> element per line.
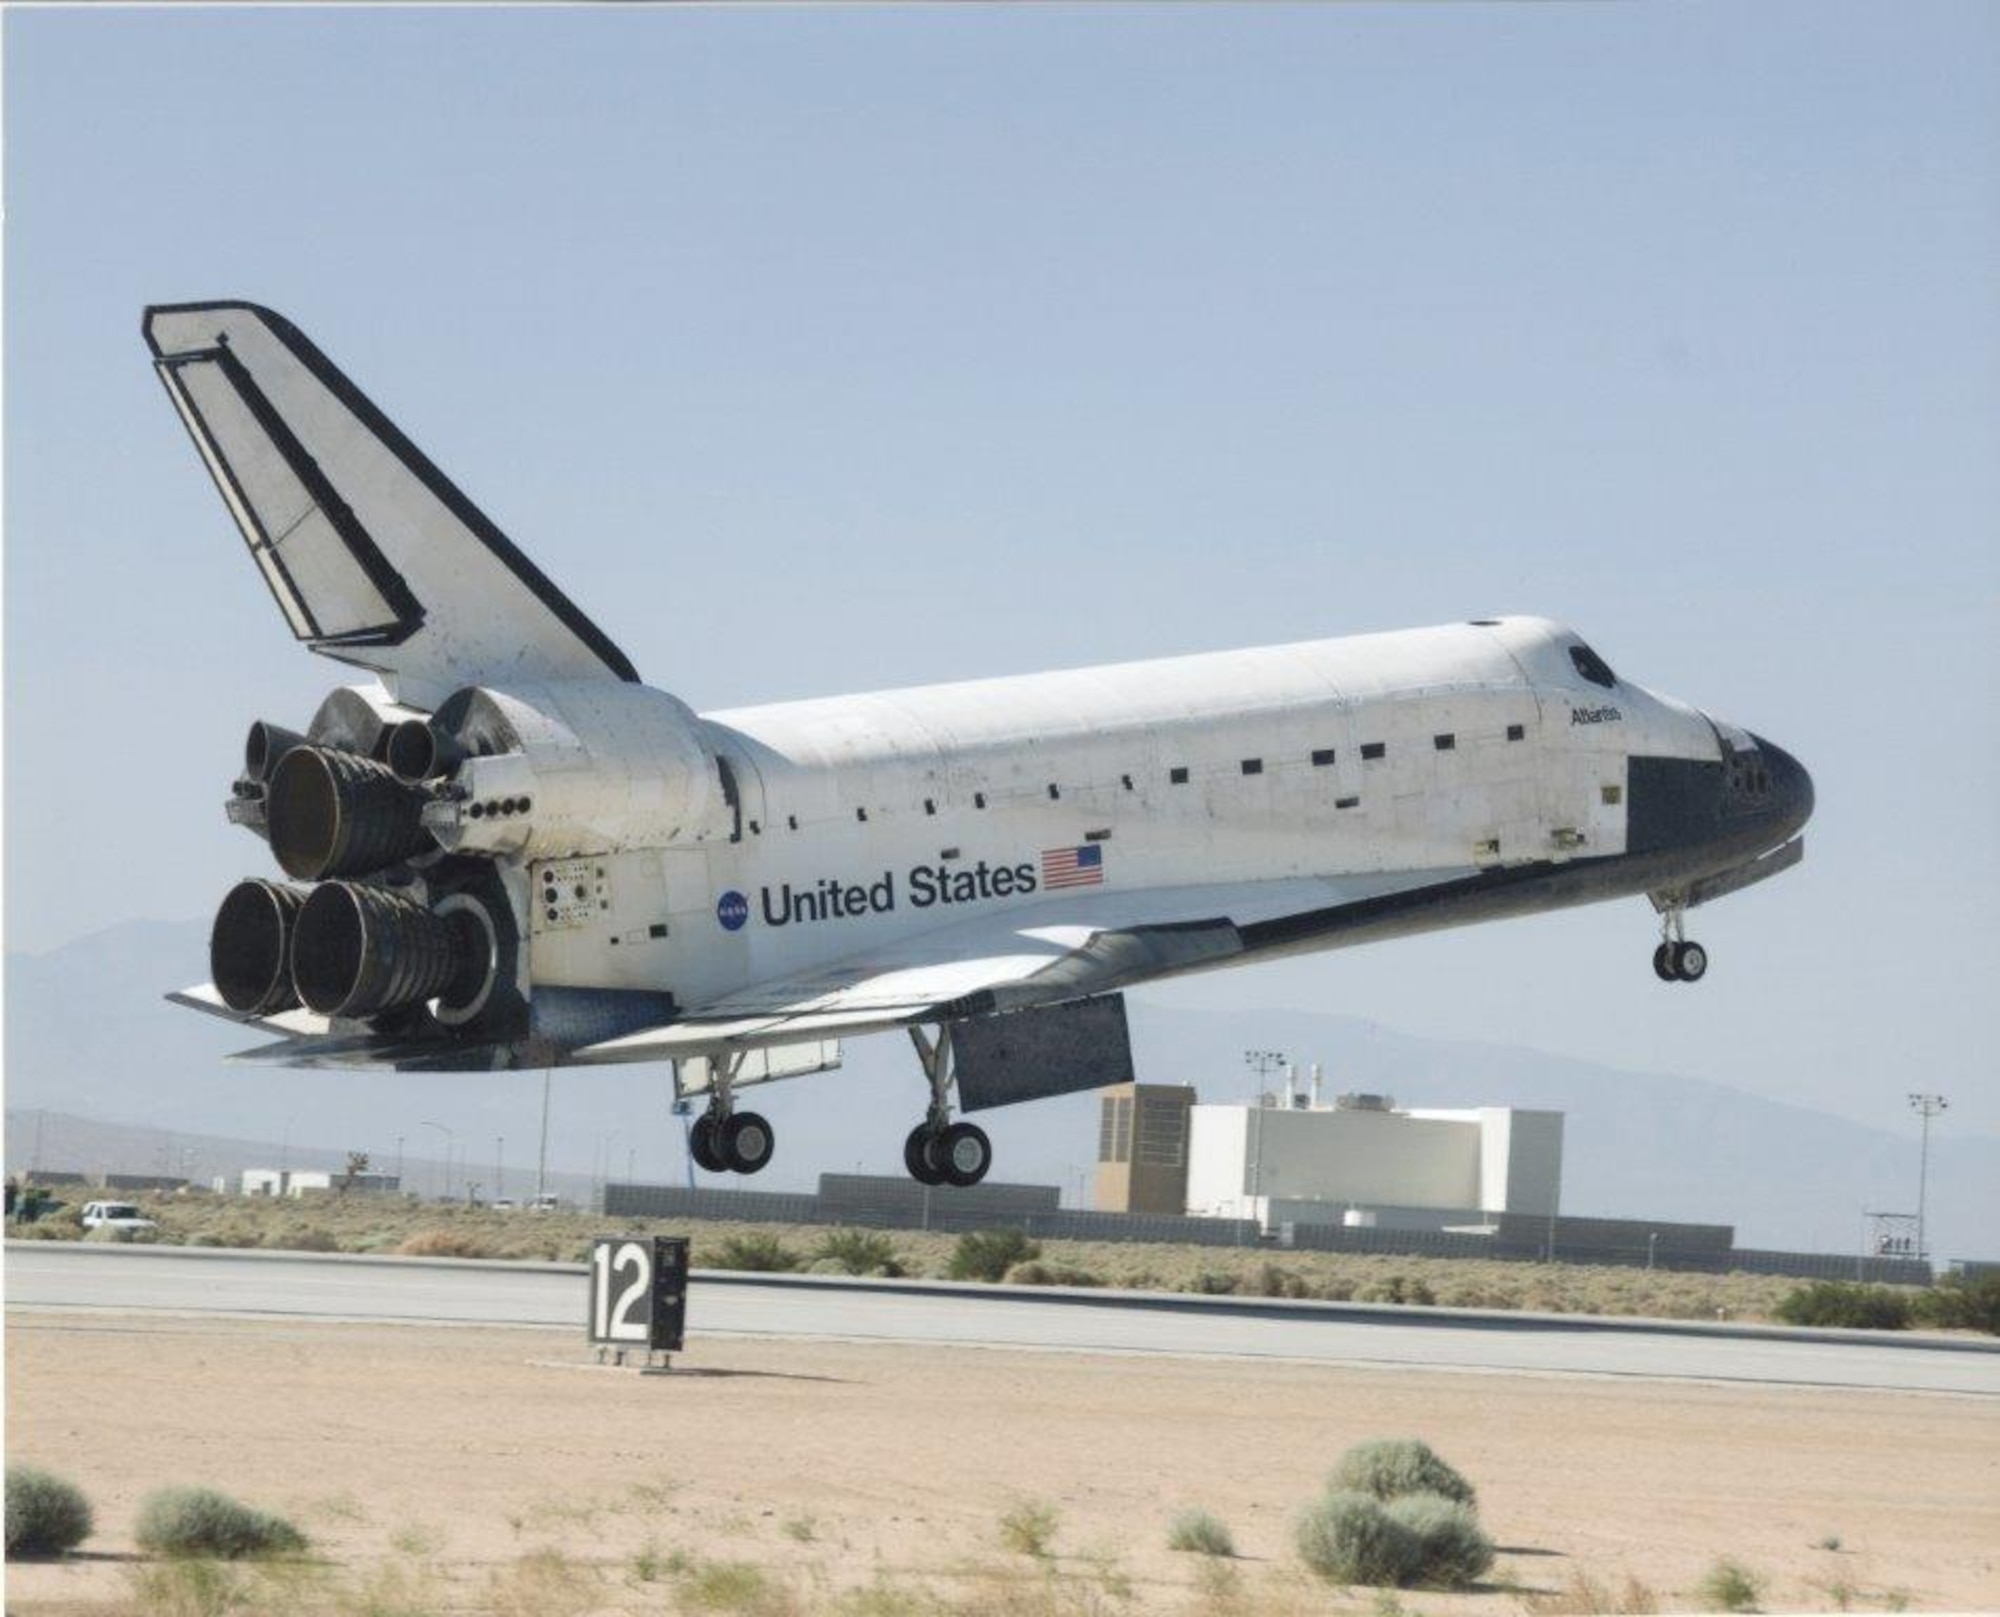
<point x="1370" y="764"/>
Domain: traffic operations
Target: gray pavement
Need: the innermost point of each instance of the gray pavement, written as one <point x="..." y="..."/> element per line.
<point x="283" y="1285"/>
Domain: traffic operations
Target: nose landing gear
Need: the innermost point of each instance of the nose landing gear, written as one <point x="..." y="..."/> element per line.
<point x="939" y="1151"/>
<point x="1677" y="959"/>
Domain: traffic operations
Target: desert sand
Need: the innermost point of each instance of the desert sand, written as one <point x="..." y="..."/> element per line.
<point x="465" y="1470"/>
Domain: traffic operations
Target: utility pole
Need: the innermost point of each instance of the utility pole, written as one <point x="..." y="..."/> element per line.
<point x="450" y="1138"/>
<point x="542" y="1161"/>
<point x="499" y="1166"/>
<point x="1929" y="1106"/>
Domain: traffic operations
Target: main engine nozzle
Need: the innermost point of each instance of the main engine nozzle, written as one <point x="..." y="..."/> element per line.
<point x="250" y="948"/>
<point x="339" y="814"/>
<point x="358" y="950"/>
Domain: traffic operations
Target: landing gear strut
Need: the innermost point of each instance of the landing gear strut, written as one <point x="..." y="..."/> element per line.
<point x="1678" y="959"/>
<point x="724" y="1140"/>
<point x="939" y="1151"/>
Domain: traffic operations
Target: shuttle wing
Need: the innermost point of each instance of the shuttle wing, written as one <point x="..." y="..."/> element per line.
<point x="374" y="556"/>
<point x="1083" y="945"/>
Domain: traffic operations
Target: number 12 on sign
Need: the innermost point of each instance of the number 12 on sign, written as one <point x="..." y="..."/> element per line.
<point x="638" y="1291"/>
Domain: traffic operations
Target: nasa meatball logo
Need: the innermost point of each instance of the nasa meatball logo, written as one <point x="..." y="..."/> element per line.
<point x="732" y="910"/>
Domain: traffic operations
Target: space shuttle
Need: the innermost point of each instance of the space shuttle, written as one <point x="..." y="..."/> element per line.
<point x="497" y="847"/>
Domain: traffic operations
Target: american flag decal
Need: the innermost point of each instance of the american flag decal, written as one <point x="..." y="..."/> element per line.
<point x="1072" y="867"/>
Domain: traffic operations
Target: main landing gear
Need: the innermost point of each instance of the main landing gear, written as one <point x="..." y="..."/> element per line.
<point x="1677" y="959"/>
<point x="724" y="1140"/>
<point x="939" y="1151"/>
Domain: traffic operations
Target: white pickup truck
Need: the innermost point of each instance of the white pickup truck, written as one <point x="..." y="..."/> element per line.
<point x="115" y="1216"/>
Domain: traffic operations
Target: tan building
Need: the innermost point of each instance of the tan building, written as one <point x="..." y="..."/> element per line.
<point x="1142" y="1149"/>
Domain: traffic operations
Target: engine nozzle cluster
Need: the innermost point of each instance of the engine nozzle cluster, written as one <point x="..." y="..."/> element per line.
<point x="346" y="949"/>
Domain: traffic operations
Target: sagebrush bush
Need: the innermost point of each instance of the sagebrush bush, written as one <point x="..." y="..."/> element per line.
<point x="200" y="1521"/>
<point x="858" y="1252"/>
<point x="45" y="1515"/>
<point x="756" y="1252"/>
<point x="1391" y="1467"/>
<point x="1842" y="1302"/>
<point x="1351" y="1538"/>
<point x="1037" y="1273"/>
<point x="1729" y="1586"/>
<point x="1200" y="1532"/>
<point x="1452" y="1552"/>
<point x="1960" y="1304"/>
<point x="1354" y="1537"/>
<point x="1029" y="1527"/>
<point x="989" y="1254"/>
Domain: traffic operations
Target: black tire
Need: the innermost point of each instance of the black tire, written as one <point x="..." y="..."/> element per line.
<point x="702" y="1145"/>
<point x="918" y="1158"/>
<point x="1690" y="962"/>
<point x="1663" y="963"/>
<point x="747" y="1142"/>
<point x="964" y="1154"/>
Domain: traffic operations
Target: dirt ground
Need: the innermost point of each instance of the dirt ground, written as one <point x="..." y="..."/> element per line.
<point x="475" y="1471"/>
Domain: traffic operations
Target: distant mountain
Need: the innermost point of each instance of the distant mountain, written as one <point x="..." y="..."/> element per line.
<point x="88" y="1035"/>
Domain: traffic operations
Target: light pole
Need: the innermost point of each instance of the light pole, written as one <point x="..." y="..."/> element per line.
<point x="542" y="1161"/>
<point x="499" y="1166"/>
<point x="399" y="1162"/>
<point x="450" y="1138"/>
<point x="1929" y="1106"/>
<point x="1262" y="1063"/>
<point x="1652" y="1242"/>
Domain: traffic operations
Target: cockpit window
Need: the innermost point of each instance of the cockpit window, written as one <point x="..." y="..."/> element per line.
<point x="1593" y="667"/>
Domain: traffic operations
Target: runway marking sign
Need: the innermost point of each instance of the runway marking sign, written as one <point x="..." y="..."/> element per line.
<point x="638" y="1291"/>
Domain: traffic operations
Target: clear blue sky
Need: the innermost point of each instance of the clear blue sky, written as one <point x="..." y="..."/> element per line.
<point x="814" y="351"/>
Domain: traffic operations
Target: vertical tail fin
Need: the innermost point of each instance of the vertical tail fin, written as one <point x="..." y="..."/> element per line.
<point x="372" y="553"/>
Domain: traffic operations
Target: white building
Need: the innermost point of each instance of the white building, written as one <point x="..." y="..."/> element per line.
<point x="1361" y="1161"/>
<point x="298" y="1181"/>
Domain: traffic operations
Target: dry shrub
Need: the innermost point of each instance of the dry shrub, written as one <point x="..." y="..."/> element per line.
<point x="1029" y="1527"/>
<point x="989" y="1254"/>
<point x="1415" y="1538"/>
<point x="191" y="1522"/>
<point x="1390" y="1467"/>
<point x="1037" y="1273"/>
<point x="546" y="1583"/>
<point x="732" y="1586"/>
<point x="1729" y="1586"/>
<point x="445" y="1244"/>
<point x="1585" y="1596"/>
<point x="1452" y="1552"/>
<point x="189" y="1589"/>
<point x="1350" y="1538"/>
<point x="1201" y="1533"/>
<point x="46" y="1516"/>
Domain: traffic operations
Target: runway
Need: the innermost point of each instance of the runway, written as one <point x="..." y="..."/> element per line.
<point x="413" y="1291"/>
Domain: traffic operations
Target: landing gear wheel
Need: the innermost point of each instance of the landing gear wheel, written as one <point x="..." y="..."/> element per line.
<point x="746" y="1142"/>
<point x="919" y="1156"/>
<point x="1690" y="962"/>
<point x="1663" y="963"/>
<point x="964" y="1153"/>
<point x="702" y="1145"/>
